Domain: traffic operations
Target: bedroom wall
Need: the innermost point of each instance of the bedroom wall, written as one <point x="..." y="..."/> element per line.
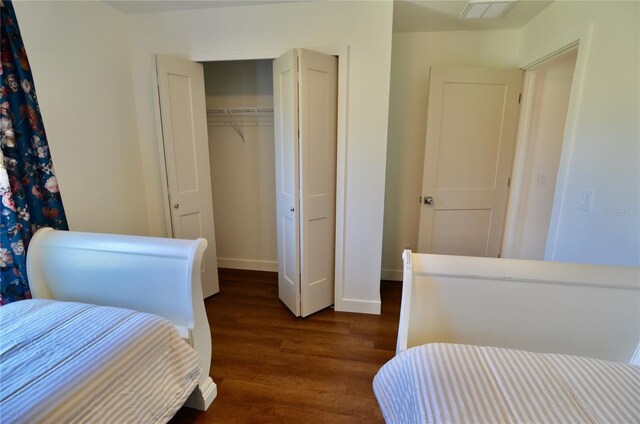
<point x="243" y="169"/>
<point x="412" y="55"/>
<point x="604" y="154"/>
<point x="80" y="61"/>
<point x="365" y="27"/>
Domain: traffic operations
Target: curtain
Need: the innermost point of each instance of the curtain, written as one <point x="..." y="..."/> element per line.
<point x="28" y="186"/>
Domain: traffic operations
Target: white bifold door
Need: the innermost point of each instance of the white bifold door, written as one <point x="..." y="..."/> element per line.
<point x="186" y="151"/>
<point x="305" y="115"/>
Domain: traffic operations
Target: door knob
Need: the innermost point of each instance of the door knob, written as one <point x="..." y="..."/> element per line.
<point x="428" y="200"/>
<point x="176" y="205"/>
<point x="292" y="209"/>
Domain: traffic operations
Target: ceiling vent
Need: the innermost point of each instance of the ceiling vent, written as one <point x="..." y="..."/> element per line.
<point x="477" y="9"/>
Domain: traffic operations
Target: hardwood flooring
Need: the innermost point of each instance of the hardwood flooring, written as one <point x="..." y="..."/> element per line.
<point x="271" y="367"/>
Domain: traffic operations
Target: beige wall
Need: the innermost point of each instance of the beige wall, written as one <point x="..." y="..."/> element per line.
<point x="551" y="92"/>
<point x="80" y="62"/>
<point x="243" y="169"/>
<point x="412" y="55"/>
<point x="602" y="152"/>
<point x="365" y="28"/>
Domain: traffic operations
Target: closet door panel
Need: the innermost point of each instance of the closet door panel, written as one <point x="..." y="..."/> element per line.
<point x="186" y="149"/>
<point x="285" y="98"/>
<point x="318" y="140"/>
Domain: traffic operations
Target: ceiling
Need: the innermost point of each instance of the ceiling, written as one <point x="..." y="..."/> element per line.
<point x="408" y="15"/>
<point x="431" y="15"/>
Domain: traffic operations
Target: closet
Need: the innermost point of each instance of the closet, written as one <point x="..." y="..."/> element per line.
<point x="270" y="145"/>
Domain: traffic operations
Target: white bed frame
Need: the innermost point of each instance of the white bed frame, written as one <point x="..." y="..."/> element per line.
<point x="154" y="275"/>
<point x="585" y="310"/>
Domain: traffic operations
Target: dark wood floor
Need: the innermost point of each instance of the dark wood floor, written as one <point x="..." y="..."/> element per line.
<point x="271" y="367"/>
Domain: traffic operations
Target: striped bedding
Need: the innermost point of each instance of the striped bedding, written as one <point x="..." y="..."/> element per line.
<point x="450" y="383"/>
<point x="63" y="362"/>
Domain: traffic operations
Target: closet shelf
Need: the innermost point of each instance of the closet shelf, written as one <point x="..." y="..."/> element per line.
<point x="239" y="111"/>
<point x="240" y="117"/>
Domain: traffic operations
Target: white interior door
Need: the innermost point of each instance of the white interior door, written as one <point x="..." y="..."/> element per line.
<point x="471" y="129"/>
<point x="285" y="116"/>
<point x="318" y="142"/>
<point x="186" y="149"/>
<point x="305" y="119"/>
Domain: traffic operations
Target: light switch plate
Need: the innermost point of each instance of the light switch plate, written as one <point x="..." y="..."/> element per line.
<point x="585" y="200"/>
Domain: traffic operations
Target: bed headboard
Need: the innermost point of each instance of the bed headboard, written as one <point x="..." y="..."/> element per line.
<point x="541" y="306"/>
<point x="147" y="274"/>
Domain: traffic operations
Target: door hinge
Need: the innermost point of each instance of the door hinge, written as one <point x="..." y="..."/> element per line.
<point x="519" y="98"/>
<point x="509" y="182"/>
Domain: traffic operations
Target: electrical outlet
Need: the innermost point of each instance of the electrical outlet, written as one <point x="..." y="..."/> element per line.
<point x="585" y="200"/>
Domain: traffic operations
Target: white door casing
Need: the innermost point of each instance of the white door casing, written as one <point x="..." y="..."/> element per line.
<point x="471" y="129"/>
<point x="305" y="122"/>
<point x="186" y="150"/>
<point x="318" y="91"/>
<point x="285" y="115"/>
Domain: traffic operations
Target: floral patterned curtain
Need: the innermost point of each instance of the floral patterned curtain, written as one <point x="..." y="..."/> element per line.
<point x="28" y="185"/>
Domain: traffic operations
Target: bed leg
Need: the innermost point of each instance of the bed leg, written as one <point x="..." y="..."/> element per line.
<point x="202" y="396"/>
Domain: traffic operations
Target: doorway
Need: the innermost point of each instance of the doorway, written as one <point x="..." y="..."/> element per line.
<point x="272" y="146"/>
<point x="239" y="101"/>
<point x="543" y="121"/>
<point x="173" y="120"/>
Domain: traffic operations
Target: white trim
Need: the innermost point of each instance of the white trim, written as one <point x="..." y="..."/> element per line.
<point x="248" y="264"/>
<point x="391" y="274"/>
<point x="581" y="37"/>
<point x="361" y="306"/>
<point x="342" y="52"/>
<point x="519" y="161"/>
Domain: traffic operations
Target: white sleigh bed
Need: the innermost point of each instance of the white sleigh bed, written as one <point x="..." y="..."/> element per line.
<point x="500" y="340"/>
<point x="64" y="361"/>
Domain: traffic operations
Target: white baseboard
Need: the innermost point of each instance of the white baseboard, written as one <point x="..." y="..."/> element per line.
<point x="391" y="274"/>
<point x="358" y="306"/>
<point x="248" y="264"/>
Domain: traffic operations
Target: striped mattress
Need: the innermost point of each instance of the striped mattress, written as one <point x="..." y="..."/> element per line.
<point x="63" y="362"/>
<point x="450" y="383"/>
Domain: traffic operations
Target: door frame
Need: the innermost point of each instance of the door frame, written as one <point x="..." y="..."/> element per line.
<point x="579" y="39"/>
<point x="342" y="52"/>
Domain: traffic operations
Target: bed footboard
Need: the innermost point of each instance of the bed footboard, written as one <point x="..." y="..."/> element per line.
<point x="577" y="309"/>
<point x="147" y="274"/>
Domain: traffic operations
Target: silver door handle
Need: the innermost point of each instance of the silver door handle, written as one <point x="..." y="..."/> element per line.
<point x="428" y="200"/>
<point x="176" y="205"/>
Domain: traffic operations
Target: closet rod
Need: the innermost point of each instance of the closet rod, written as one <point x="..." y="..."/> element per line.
<point x="240" y="111"/>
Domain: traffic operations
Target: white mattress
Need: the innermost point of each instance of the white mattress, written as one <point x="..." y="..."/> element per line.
<point x="449" y="383"/>
<point x="63" y="362"/>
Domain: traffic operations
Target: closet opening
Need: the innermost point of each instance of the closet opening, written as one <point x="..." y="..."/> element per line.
<point x="240" y="127"/>
<point x="272" y="138"/>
